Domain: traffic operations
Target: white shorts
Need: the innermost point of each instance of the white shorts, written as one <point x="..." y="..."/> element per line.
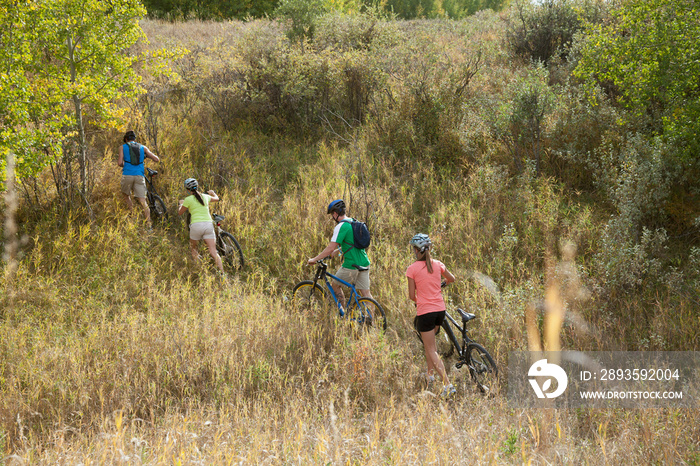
<point x="202" y="230"/>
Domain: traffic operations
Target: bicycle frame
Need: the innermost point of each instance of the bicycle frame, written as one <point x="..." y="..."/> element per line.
<point x="217" y="219"/>
<point x="323" y="274"/>
<point x="462" y="330"/>
<point x="149" y="181"/>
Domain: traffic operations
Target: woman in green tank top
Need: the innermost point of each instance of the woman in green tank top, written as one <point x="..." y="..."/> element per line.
<point x="201" y="226"/>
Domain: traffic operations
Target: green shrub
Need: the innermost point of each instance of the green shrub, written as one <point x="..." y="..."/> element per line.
<point x="581" y="125"/>
<point x="518" y="119"/>
<point x="623" y="264"/>
<point x="300" y="17"/>
<point x="278" y="87"/>
<point x="543" y="30"/>
<point x="353" y="32"/>
<point x="636" y="178"/>
<point x="417" y="116"/>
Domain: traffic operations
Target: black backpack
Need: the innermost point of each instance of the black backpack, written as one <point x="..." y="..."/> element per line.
<point x="360" y="234"/>
<point x="135" y="153"/>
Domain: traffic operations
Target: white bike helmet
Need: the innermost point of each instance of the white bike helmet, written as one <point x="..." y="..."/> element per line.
<point x="421" y="241"/>
<point x="191" y="184"/>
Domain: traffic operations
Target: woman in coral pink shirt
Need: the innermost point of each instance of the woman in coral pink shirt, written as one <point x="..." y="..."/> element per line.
<point x="424" y="287"/>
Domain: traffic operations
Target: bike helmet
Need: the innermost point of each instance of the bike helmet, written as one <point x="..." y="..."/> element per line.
<point x="129" y="136"/>
<point x="336" y="206"/>
<point x="191" y="184"/>
<point x="421" y="241"/>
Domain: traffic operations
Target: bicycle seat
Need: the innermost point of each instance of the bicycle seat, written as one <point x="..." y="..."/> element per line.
<point x="361" y="269"/>
<point x="151" y="172"/>
<point x="466" y="316"/>
<point x="217" y="217"/>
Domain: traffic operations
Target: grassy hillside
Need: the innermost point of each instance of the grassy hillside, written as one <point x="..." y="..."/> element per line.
<point x="118" y="348"/>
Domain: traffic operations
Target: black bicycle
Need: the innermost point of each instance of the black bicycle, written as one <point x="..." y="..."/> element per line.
<point x="227" y="246"/>
<point x="155" y="203"/>
<point x="482" y="367"/>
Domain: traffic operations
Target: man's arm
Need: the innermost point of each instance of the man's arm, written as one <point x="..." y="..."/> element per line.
<point x="332" y="246"/>
<point x="120" y="159"/>
<point x="150" y="154"/>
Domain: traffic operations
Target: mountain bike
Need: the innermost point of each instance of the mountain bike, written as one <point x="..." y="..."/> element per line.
<point x="227" y="246"/>
<point x="361" y="310"/>
<point x="155" y="203"/>
<point x="482" y="367"/>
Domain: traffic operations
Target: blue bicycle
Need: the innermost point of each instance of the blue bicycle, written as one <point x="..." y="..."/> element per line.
<point x="362" y="310"/>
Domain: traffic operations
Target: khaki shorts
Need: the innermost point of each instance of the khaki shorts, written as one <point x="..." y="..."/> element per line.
<point x="134" y="183"/>
<point x="202" y="230"/>
<point x="355" y="277"/>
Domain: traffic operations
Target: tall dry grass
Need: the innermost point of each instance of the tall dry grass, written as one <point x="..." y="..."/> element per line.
<point x="118" y="348"/>
<point x="121" y="349"/>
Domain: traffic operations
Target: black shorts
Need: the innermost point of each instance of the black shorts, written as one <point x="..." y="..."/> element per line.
<point x="428" y="322"/>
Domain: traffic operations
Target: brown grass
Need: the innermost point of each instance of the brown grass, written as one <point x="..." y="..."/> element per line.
<point x="117" y="348"/>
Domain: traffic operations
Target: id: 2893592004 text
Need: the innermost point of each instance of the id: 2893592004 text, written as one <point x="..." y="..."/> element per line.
<point x="627" y="379"/>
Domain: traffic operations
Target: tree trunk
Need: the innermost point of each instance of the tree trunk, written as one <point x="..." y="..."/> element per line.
<point x="82" y="144"/>
<point x="11" y="243"/>
<point x="78" y="104"/>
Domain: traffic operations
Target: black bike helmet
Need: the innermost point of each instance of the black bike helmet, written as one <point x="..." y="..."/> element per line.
<point x="191" y="184"/>
<point x="337" y="206"/>
<point x="129" y="136"/>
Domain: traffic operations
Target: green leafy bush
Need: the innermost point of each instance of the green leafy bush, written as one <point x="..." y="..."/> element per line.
<point x="518" y="118"/>
<point x="544" y="30"/>
<point x="300" y="16"/>
<point x="581" y="124"/>
<point x="362" y="31"/>
<point x="637" y="180"/>
<point x="647" y="59"/>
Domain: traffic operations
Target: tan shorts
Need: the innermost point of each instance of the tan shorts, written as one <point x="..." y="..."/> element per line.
<point x="355" y="277"/>
<point x="134" y="183"/>
<point x="202" y="230"/>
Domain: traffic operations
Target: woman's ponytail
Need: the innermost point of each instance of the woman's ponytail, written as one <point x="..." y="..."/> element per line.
<point x="426" y="257"/>
<point x="428" y="260"/>
<point x="198" y="196"/>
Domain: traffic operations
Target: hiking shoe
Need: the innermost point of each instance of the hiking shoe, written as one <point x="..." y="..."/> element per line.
<point x="429" y="379"/>
<point x="448" y="391"/>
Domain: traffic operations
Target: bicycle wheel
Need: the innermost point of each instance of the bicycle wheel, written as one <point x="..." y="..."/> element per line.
<point x="367" y="312"/>
<point x="157" y="207"/>
<point x="230" y="251"/>
<point x="482" y="368"/>
<point x="310" y="295"/>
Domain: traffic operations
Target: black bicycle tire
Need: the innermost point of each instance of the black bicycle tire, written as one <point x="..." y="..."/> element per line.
<point x="298" y="295"/>
<point x="475" y="366"/>
<point x="157" y="202"/>
<point x="229" y="258"/>
<point x="377" y="306"/>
